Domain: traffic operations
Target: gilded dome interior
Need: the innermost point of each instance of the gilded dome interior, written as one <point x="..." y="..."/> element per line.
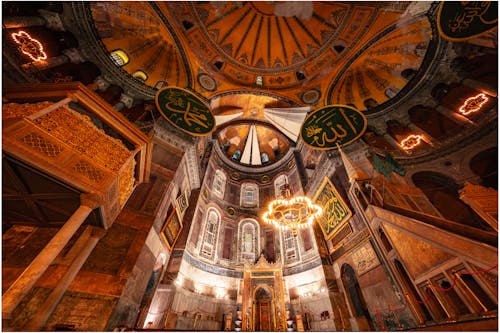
<point x="312" y="53"/>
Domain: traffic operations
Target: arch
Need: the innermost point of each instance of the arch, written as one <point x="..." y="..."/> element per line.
<point x="290" y="248"/>
<point x="219" y="183"/>
<point x="357" y="301"/>
<point x="140" y="75"/>
<point x="119" y="57"/>
<point x="370" y="103"/>
<point x="160" y="84"/>
<point x="279" y="185"/>
<point x="442" y="192"/>
<point x="263" y="319"/>
<point x="485" y="165"/>
<point x="248" y="240"/>
<point x="432" y="122"/>
<point x="210" y="234"/>
<point x="249" y="195"/>
<point x="440" y="90"/>
<point x="407" y="284"/>
<point x="384" y="239"/>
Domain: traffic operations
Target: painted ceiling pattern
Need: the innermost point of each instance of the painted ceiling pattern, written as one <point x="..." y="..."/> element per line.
<point x="304" y="53"/>
<point x="312" y="53"/>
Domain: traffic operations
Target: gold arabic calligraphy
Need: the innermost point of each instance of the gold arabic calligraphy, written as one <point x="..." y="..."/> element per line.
<point x="335" y="130"/>
<point x="191" y="113"/>
<point x="335" y="210"/>
<point x="472" y="9"/>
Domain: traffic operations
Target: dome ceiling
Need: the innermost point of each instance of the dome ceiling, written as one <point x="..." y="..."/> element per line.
<point x="311" y="54"/>
<point x="252" y="144"/>
<point x="308" y="53"/>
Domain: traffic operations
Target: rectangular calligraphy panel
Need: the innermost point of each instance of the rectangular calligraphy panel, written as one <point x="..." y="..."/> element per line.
<point x="171" y="229"/>
<point x="335" y="211"/>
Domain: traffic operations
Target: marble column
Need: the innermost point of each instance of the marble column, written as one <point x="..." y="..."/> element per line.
<point x="393" y="142"/>
<point x="45" y="310"/>
<point x="125" y="101"/>
<point x="23" y="284"/>
<point x="417" y="130"/>
<point x="454" y="116"/>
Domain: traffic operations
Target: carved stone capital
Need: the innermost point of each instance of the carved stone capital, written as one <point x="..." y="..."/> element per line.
<point x="74" y="55"/>
<point x="91" y="200"/>
<point x="53" y="20"/>
<point x="127" y="100"/>
<point x="102" y="83"/>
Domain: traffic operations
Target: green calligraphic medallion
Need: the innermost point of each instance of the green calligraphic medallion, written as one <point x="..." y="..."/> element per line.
<point x="335" y="214"/>
<point x="185" y="111"/>
<point x="332" y="125"/>
<point x="462" y="20"/>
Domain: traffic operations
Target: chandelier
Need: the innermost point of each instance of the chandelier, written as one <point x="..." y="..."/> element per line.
<point x="291" y="213"/>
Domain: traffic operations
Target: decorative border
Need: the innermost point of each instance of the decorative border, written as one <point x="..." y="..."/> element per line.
<point x="329" y="213"/>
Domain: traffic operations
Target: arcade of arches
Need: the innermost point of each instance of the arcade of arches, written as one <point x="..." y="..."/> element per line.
<point x="115" y="217"/>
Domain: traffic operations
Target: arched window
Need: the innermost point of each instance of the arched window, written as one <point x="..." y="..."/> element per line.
<point x="219" y="185"/>
<point x="442" y="192"/>
<point x="370" y="103"/>
<point x="140" y="75"/>
<point x="210" y="234"/>
<point x="391" y="91"/>
<point x="248" y="240"/>
<point x="161" y="84"/>
<point x="351" y="285"/>
<point x="119" y="57"/>
<point x="249" y="196"/>
<point x="279" y="185"/>
<point x="290" y="247"/>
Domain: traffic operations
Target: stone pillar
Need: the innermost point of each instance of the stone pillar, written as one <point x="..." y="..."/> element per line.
<point x="101" y="83"/>
<point x="484" y="87"/>
<point x="125" y="101"/>
<point x="392" y="141"/>
<point x="417" y="130"/>
<point x="73" y="55"/>
<point x="23" y="284"/>
<point x="46" y="309"/>
<point x="53" y="20"/>
<point x="22" y="21"/>
<point x="454" y="116"/>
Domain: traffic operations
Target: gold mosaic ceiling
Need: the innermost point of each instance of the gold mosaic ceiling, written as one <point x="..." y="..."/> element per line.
<point x="308" y="53"/>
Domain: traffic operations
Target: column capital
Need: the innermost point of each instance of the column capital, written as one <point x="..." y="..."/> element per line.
<point x="74" y="55"/>
<point x="127" y="100"/>
<point x="53" y="20"/>
<point x="102" y="83"/>
<point x="91" y="200"/>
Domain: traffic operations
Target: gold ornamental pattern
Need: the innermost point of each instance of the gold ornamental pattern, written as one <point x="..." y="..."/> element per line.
<point x="79" y="132"/>
<point x="16" y="110"/>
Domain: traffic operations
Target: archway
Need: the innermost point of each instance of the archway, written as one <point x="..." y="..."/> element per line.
<point x="356" y="298"/>
<point x="442" y="192"/>
<point x="263" y="319"/>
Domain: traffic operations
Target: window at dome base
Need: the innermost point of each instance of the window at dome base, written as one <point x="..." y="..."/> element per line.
<point x="140" y="75"/>
<point x="252" y="145"/>
<point x="119" y="57"/>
